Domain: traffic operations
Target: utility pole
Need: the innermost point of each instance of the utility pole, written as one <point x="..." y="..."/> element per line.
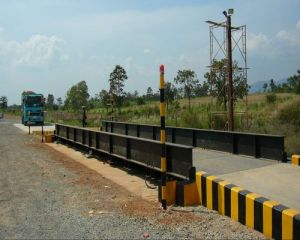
<point x="224" y="48"/>
<point x="229" y="71"/>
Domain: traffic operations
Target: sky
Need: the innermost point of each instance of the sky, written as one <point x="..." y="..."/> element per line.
<point x="47" y="46"/>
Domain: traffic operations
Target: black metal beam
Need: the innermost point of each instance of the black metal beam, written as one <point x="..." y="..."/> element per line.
<point x="140" y="151"/>
<point x="249" y="144"/>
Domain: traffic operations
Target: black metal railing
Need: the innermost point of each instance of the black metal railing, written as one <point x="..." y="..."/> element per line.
<point x="249" y="144"/>
<point x="139" y="151"/>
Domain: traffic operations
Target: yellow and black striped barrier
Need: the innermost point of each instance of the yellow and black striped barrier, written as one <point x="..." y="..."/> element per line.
<point x="269" y="217"/>
<point x="296" y="160"/>
<point x="163" y="160"/>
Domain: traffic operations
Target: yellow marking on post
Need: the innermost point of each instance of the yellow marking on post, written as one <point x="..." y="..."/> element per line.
<point x="198" y="183"/>
<point x="162" y="109"/>
<point x="235" y="203"/>
<point x="221" y="196"/>
<point x="250" y="197"/>
<point x="267" y="217"/>
<point x="209" y="192"/>
<point x="296" y="160"/>
<point x="163" y="136"/>
<point x="287" y="223"/>
<point x="162" y="81"/>
<point x="163" y="164"/>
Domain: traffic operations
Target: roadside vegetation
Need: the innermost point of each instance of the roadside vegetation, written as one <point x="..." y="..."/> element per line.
<point x="276" y="110"/>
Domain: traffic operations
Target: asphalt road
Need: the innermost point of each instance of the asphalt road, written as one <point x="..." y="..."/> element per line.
<point x="46" y="195"/>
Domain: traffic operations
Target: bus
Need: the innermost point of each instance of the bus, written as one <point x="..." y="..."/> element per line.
<point x="32" y="108"/>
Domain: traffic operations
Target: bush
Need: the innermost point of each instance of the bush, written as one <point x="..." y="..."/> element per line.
<point x="140" y="101"/>
<point x="290" y="114"/>
<point x="219" y="122"/>
<point x="191" y="118"/>
<point x="271" y="98"/>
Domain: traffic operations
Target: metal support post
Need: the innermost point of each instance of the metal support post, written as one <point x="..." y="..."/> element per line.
<point x="43" y="127"/>
<point x="84" y="116"/>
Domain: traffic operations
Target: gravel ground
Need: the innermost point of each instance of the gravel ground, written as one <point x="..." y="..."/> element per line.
<point x="46" y="195"/>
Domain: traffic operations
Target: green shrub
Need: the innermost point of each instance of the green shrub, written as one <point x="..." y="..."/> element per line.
<point x="140" y="101"/>
<point x="191" y="118"/>
<point x="290" y="114"/>
<point x="271" y="98"/>
<point x="219" y="121"/>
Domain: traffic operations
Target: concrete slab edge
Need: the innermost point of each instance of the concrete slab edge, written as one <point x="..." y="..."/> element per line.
<point x="269" y="217"/>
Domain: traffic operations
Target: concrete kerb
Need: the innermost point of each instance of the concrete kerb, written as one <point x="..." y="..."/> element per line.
<point x="269" y="217"/>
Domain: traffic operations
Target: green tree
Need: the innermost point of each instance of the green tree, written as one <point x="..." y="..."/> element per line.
<point x="94" y="102"/>
<point x="77" y="96"/>
<point x="294" y="83"/>
<point x="59" y="102"/>
<point x="3" y="102"/>
<point x="188" y="80"/>
<point x="104" y="98"/>
<point x="273" y="85"/>
<point x="170" y="93"/>
<point x="149" y="93"/>
<point x="265" y="86"/>
<point x="140" y="101"/>
<point x="217" y="80"/>
<point x="202" y="90"/>
<point x="116" y="84"/>
<point x="50" y="101"/>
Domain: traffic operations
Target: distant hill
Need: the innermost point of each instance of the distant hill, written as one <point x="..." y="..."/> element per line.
<point x="258" y="86"/>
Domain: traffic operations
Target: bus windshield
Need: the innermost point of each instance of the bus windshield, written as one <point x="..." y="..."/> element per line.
<point x="33" y="101"/>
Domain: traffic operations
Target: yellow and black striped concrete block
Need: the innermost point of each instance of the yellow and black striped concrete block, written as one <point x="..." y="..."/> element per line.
<point x="187" y="193"/>
<point x="269" y="217"/>
<point x="296" y="160"/>
<point x="170" y="192"/>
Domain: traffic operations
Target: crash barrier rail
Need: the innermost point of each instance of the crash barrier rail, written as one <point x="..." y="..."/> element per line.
<point x="143" y="152"/>
<point x="249" y="144"/>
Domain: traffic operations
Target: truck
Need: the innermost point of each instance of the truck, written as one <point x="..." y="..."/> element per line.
<point x="32" y="108"/>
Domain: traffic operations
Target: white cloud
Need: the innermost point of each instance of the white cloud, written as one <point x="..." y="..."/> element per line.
<point x="38" y="51"/>
<point x="282" y="35"/>
<point x="257" y="41"/>
<point x="147" y="51"/>
<point x="298" y="24"/>
<point x="290" y="37"/>
<point x="182" y="58"/>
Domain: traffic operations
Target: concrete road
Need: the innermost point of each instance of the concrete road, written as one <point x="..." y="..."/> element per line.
<point x="279" y="182"/>
<point x="217" y="163"/>
<point x="271" y="179"/>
